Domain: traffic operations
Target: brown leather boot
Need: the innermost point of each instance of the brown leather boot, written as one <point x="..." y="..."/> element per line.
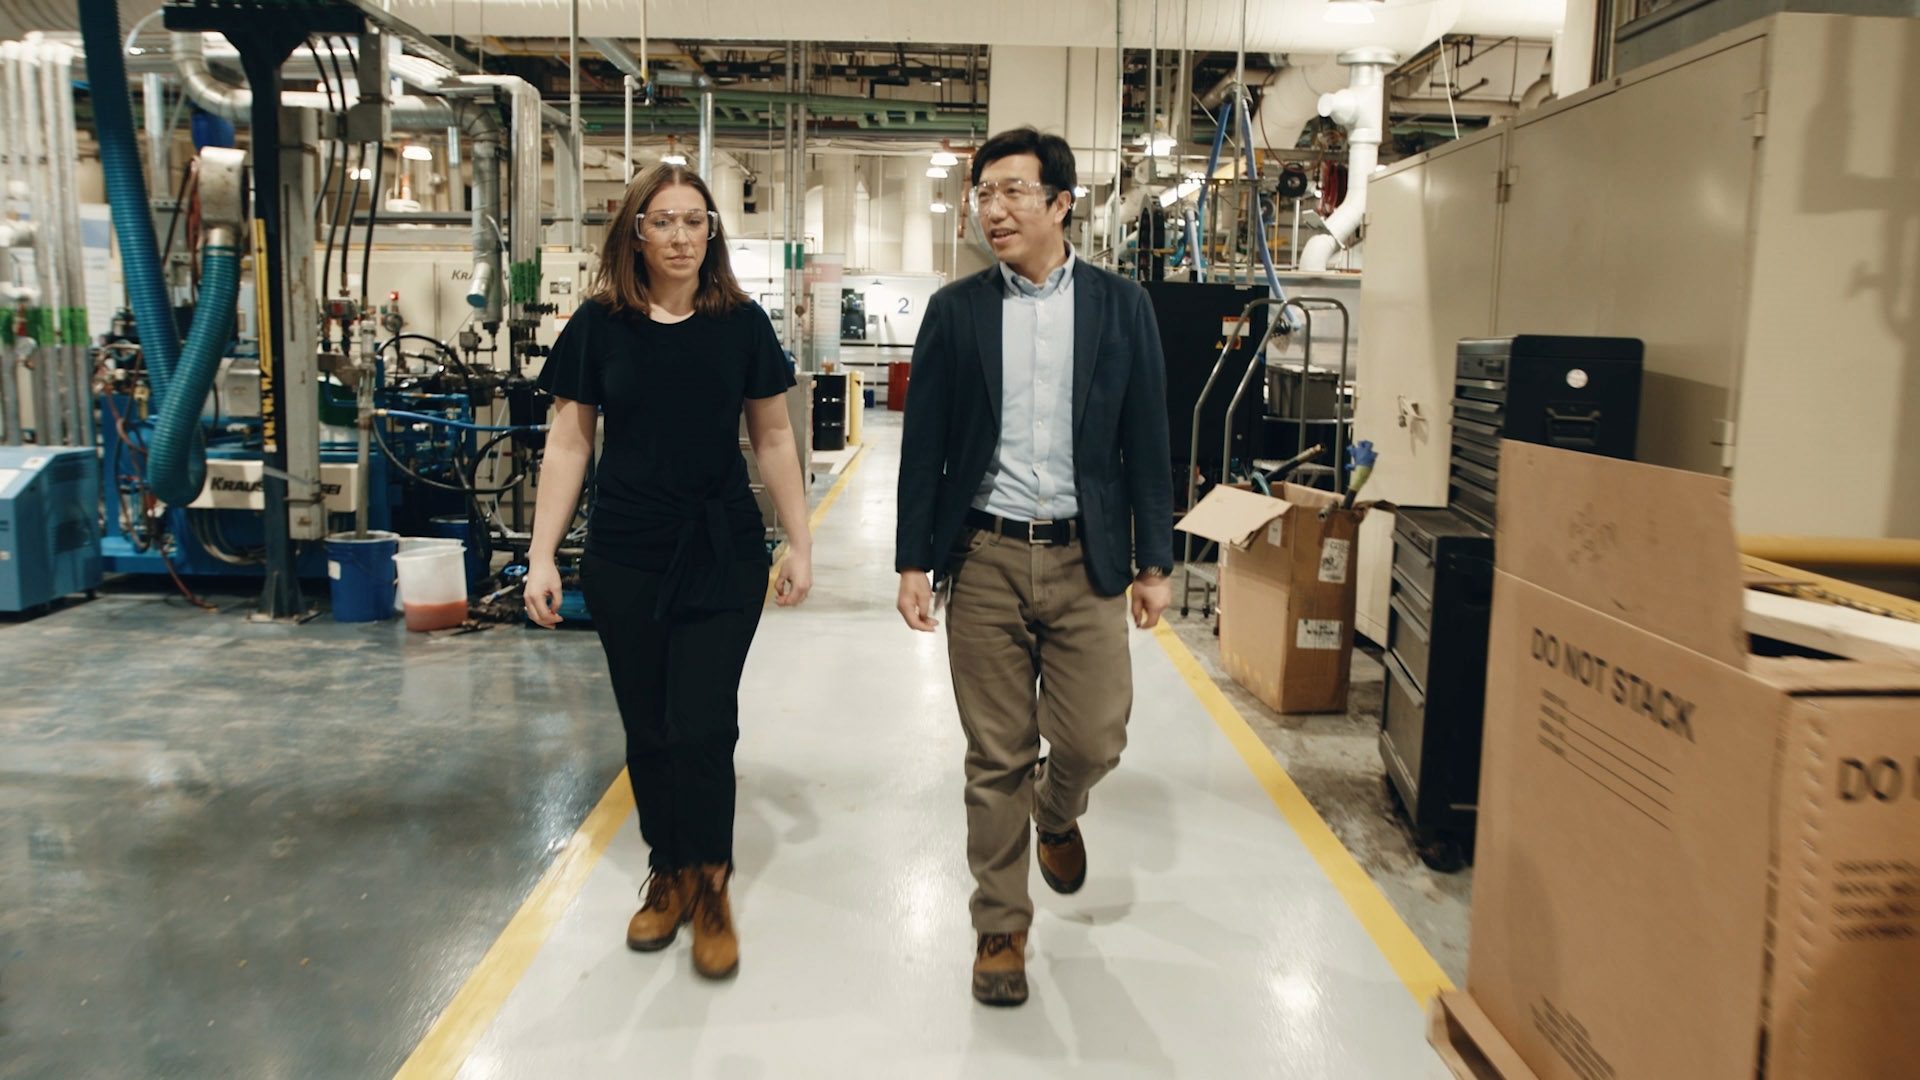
<point x="1063" y="859"/>
<point x="716" y="949"/>
<point x="668" y="904"/>
<point x="1000" y="969"/>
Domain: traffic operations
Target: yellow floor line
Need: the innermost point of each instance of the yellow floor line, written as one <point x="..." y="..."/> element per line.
<point x="1409" y="959"/>
<point x="460" y="1027"/>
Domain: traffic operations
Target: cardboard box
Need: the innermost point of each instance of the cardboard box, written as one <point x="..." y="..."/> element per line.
<point x="1693" y="863"/>
<point x="1286" y="592"/>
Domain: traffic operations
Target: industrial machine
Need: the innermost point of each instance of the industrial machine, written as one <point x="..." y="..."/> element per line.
<point x="49" y="530"/>
<point x="255" y="397"/>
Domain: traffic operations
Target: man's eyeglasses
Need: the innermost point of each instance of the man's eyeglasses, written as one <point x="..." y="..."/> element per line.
<point x="1016" y="194"/>
<point x="662" y="226"/>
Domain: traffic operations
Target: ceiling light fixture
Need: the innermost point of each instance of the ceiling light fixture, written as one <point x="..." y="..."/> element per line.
<point x="360" y="174"/>
<point x="936" y="173"/>
<point x="938" y="207"/>
<point x="673" y="157"/>
<point x="416" y="152"/>
<point x="945" y="160"/>
<point x="1080" y="191"/>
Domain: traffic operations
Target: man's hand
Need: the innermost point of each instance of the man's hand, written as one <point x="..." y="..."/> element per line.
<point x="916" y="601"/>
<point x="1151" y="598"/>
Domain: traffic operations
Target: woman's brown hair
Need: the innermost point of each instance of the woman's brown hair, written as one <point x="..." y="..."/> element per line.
<point x="621" y="280"/>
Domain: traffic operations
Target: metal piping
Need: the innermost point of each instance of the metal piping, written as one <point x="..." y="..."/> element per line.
<point x="408" y="113"/>
<point x="706" y="135"/>
<point x="1360" y="108"/>
<point x="153" y="100"/>
<point x="233" y="103"/>
<point x="523" y="216"/>
<point x="483" y="290"/>
<point x="622" y="58"/>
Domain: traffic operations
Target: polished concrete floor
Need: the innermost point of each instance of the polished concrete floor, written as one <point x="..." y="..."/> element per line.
<point x="231" y="850"/>
<point x="1335" y="759"/>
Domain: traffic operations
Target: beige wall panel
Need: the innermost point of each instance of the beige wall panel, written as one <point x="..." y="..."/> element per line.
<point x="1429" y="283"/>
<point x="1601" y="239"/>
<point x="1830" y="398"/>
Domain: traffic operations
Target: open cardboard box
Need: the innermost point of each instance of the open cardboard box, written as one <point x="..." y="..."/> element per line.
<point x="1286" y="592"/>
<point x="1693" y="863"/>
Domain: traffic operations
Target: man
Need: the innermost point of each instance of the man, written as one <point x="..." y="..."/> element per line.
<point x="1034" y="478"/>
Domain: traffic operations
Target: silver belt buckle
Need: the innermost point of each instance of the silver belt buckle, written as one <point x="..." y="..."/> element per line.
<point x="1032" y="538"/>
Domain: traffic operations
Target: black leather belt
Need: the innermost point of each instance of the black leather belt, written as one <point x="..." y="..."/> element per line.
<point x="1044" y="533"/>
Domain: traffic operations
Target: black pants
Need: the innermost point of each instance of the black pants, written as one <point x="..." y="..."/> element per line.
<point x="677" y="685"/>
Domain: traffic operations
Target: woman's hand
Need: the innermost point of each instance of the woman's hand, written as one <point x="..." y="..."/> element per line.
<point x="796" y="579"/>
<point x="542" y="593"/>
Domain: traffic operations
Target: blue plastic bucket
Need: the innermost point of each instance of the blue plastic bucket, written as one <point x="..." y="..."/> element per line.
<point x="360" y="576"/>
<point x="459" y="528"/>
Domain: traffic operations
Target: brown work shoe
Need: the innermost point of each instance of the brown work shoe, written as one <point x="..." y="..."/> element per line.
<point x="1000" y="969"/>
<point x="668" y="904"/>
<point x="716" y="949"/>
<point x="1063" y="859"/>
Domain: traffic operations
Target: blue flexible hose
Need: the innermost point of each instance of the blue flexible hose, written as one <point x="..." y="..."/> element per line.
<point x="1259" y="212"/>
<point x="1200" y="207"/>
<point x="177" y="455"/>
<point x="176" y="452"/>
<point x="127" y="190"/>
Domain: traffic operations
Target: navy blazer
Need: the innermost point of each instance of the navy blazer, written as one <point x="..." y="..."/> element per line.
<point x="1121" y="462"/>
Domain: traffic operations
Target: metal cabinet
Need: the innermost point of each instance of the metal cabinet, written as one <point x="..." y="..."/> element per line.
<point x="1745" y="207"/>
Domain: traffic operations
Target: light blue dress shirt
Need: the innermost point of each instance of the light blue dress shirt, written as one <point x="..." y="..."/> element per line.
<point x="1031" y="476"/>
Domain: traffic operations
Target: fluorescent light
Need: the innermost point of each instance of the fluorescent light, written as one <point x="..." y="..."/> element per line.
<point x="936" y="173"/>
<point x="945" y="160"/>
<point x="1349" y="12"/>
<point x="416" y="152"/>
<point x="938" y="207"/>
<point x="673" y="159"/>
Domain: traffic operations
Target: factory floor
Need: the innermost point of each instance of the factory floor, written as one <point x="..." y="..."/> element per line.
<point x="341" y="851"/>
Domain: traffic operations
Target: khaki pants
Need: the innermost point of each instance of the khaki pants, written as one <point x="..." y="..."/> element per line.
<point x="1034" y="651"/>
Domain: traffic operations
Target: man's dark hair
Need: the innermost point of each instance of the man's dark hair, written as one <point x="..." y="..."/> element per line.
<point x="1056" y="159"/>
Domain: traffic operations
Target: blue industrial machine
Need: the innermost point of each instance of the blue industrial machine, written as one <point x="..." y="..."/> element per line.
<point x="49" y="531"/>
<point x="417" y="471"/>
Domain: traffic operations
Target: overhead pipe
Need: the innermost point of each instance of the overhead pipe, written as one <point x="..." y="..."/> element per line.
<point x="622" y="58"/>
<point x="1361" y="110"/>
<point x="407" y="113"/>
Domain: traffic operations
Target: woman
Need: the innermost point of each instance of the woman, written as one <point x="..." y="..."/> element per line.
<point x="668" y="348"/>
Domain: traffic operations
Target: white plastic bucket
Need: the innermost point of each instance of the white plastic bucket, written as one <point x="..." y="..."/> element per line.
<point x="433" y="586"/>
<point x="421" y="543"/>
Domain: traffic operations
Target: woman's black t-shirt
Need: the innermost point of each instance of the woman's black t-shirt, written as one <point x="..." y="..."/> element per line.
<point x="671" y="474"/>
